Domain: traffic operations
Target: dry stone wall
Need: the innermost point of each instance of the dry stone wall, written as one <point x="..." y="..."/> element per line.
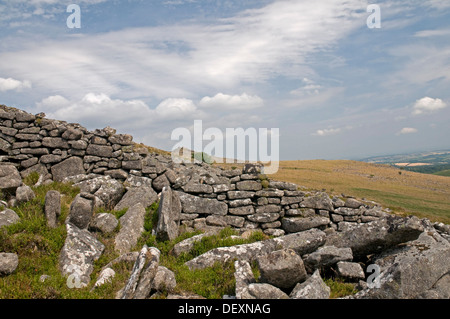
<point x="210" y="196"/>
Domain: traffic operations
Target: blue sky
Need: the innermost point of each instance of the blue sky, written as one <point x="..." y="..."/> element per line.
<point x="335" y="88"/>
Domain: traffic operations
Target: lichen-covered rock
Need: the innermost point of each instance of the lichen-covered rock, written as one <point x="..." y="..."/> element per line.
<point x="81" y="211"/>
<point x="144" y="195"/>
<point x="301" y="243"/>
<point x="281" y="268"/>
<point x="378" y="235"/>
<point x="78" y="254"/>
<point x="24" y="194"/>
<point x="131" y="228"/>
<point x="10" y="178"/>
<point x="104" y="222"/>
<point x="327" y="256"/>
<point x="294" y="224"/>
<point x="69" y="167"/>
<point x="8" y="263"/>
<point x="52" y="207"/>
<point x="169" y="211"/>
<point x="312" y="288"/>
<point x="8" y="217"/>
<point x="164" y="280"/>
<point x="244" y="277"/>
<point x="197" y="205"/>
<point x="318" y="201"/>
<point x="264" y="291"/>
<point x="350" y="271"/>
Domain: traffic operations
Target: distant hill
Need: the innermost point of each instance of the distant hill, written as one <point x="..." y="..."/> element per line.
<point x="434" y="162"/>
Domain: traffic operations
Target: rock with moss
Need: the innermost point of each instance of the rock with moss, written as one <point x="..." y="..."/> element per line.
<point x="313" y="288"/>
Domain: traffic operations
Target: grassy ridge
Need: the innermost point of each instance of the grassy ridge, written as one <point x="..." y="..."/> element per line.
<point x="405" y="192"/>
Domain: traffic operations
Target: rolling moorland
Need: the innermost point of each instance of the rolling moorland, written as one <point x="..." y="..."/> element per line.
<point x="404" y="192"/>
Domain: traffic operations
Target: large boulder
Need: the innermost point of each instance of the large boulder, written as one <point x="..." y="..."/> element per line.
<point x="297" y="224"/>
<point x="264" y="291"/>
<point x="143" y="194"/>
<point x="244" y="277"/>
<point x="197" y="205"/>
<point x="78" y="254"/>
<point x="302" y="243"/>
<point x="8" y="263"/>
<point x="108" y="190"/>
<point x="69" y="167"/>
<point x="378" y="235"/>
<point x="132" y="226"/>
<point x="8" y="217"/>
<point x="24" y="194"/>
<point x="418" y="269"/>
<point x="104" y="222"/>
<point x="169" y="211"/>
<point x="327" y="256"/>
<point x="10" y="178"/>
<point x="81" y="210"/>
<point x="312" y="288"/>
<point x="52" y="207"/>
<point x="281" y="268"/>
<point x="318" y="201"/>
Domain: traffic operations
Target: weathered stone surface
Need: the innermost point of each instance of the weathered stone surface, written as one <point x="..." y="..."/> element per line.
<point x="270" y="192"/>
<point x="144" y="195"/>
<point x="242" y="211"/>
<point x="378" y="235"/>
<point x="301" y="243"/>
<point x="78" y="254"/>
<point x="263" y="217"/>
<point x="291" y="200"/>
<point x="8" y="217"/>
<point x="327" y="256"/>
<point x="9" y="177"/>
<point x="52" y="207"/>
<point x="197" y="205"/>
<point x="106" y="276"/>
<point x="149" y="271"/>
<point x="128" y="291"/>
<point x="281" y="268"/>
<point x="72" y="134"/>
<point x="160" y="182"/>
<point x="169" y="211"/>
<point x="352" y="203"/>
<point x="318" y="201"/>
<point x="104" y="222"/>
<point x="293" y="225"/>
<point x="264" y="291"/>
<point x="240" y="194"/>
<point x="50" y="159"/>
<point x="55" y="142"/>
<point x="8" y="263"/>
<point x="413" y="271"/>
<point x="312" y="288"/>
<point x="24" y="194"/>
<point x="196" y="188"/>
<point x="131" y="228"/>
<point x="117" y="173"/>
<point x="164" y="280"/>
<point x="99" y="150"/>
<point x="283" y="185"/>
<point x="81" y="210"/>
<point x="244" y="277"/>
<point x="350" y="271"/>
<point x="69" y="167"/>
<point x="268" y="209"/>
<point x="249" y="186"/>
<point x="121" y="139"/>
<point x="240" y="202"/>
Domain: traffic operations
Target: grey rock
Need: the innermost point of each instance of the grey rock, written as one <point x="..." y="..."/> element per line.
<point x="327" y="256"/>
<point x="281" y="268"/>
<point x="270" y="192"/>
<point x="301" y="243"/>
<point x="249" y="186"/>
<point x="352" y="203"/>
<point x="293" y="225"/>
<point x="145" y="284"/>
<point x="99" y="150"/>
<point x="197" y="205"/>
<point x="130" y="287"/>
<point x="244" y="277"/>
<point x="69" y="167"/>
<point x="50" y="159"/>
<point x="121" y="139"/>
<point x="242" y="211"/>
<point x="169" y="211"/>
<point x="350" y="271"/>
<point x="104" y="222"/>
<point x="132" y="226"/>
<point x="81" y="211"/>
<point x="318" y="201"/>
<point x="55" y="142"/>
<point x="283" y="185"/>
<point x="240" y="194"/>
<point x="240" y="202"/>
<point x="8" y="263"/>
<point x="265" y="291"/>
<point x="78" y="254"/>
<point x="8" y="217"/>
<point x="144" y="195"/>
<point x="10" y="178"/>
<point x="263" y="217"/>
<point x="415" y="270"/>
<point x="105" y="276"/>
<point x="377" y="236"/>
<point x="52" y="207"/>
<point x="195" y="188"/>
<point x="164" y="280"/>
<point x="160" y="182"/>
<point x="291" y="200"/>
<point x="186" y="245"/>
<point x="24" y="194"/>
<point x="72" y="134"/>
<point x="117" y="173"/>
<point x="266" y="209"/>
<point x="312" y="288"/>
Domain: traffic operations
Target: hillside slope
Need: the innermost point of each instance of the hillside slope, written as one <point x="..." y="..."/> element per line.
<point x="423" y="195"/>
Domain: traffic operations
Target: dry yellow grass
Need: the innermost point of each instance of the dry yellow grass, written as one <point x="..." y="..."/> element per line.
<point x="404" y="192"/>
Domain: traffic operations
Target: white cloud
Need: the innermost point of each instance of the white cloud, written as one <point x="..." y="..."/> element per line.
<point x="327" y="132"/>
<point x="408" y="130"/>
<point x="428" y="105"/>
<point x="439" y="4"/>
<point x="432" y="33"/>
<point x="231" y="102"/>
<point x="11" y="84"/>
<point x="174" y="108"/>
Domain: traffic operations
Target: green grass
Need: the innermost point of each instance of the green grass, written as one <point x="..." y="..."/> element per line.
<point x="339" y="288"/>
<point x="443" y="173"/>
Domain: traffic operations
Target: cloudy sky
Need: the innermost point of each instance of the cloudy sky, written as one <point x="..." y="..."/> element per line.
<point x="335" y="88"/>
